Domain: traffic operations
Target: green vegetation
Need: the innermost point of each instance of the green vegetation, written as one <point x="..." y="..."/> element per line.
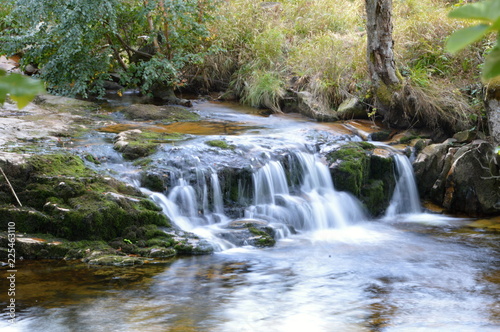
<point x="19" y="88"/>
<point x="62" y="197"/>
<point x="77" y="43"/>
<point x="222" y="144"/>
<point x="488" y="15"/>
<point x="264" y="238"/>
<point x="264" y="52"/>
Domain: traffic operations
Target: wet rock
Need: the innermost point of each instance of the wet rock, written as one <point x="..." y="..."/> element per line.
<point x="364" y="171"/>
<point x="100" y="258"/>
<point x="251" y="232"/>
<point x="460" y="178"/>
<point x="162" y="252"/>
<point x="166" y="113"/>
<point x="62" y="197"/>
<point x="133" y="146"/>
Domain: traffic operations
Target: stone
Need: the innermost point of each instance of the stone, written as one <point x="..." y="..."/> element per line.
<point x="462" y="179"/>
<point x="311" y="107"/>
<point x="465" y="136"/>
<point x="352" y="108"/>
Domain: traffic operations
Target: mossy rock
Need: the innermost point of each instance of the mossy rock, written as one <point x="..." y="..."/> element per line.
<point x="166" y="113"/>
<point x="350" y="167"/>
<point x="263" y="237"/>
<point x="222" y="144"/>
<point x="134" y="144"/>
<point x="366" y="172"/>
<point x="64" y="198"/>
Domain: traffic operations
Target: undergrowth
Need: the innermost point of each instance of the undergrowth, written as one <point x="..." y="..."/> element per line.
<point x="320" y="47"/>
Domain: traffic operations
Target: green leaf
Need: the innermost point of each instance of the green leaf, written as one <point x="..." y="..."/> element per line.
<point x="484" y="11"/>
<point x="463" y="37"/>
<point x="491" y="66"/>
<point x="20" y="88"/>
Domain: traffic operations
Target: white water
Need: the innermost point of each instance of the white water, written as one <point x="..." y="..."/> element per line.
<point x="309" y="205"/>
<point x="405" y="199"/>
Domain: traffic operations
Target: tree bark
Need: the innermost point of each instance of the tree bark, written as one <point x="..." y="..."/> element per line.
<point x="380" y="44"/>
<point x="382" y="68"/>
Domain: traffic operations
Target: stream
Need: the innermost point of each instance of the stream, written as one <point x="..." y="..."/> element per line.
<point x="335" y="269"/>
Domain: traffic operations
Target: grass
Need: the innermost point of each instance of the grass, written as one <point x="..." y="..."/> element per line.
<point x="320" y="46"/>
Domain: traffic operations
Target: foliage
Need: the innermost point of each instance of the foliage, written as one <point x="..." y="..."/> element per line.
<point x="487" y="13"/>
<point x="19" y="88"/>
<point x="76" y="43"/>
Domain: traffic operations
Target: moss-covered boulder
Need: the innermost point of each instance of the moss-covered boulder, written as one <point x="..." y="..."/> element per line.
<point x="365" y="171"/>
<point x="252" y="232"/>
<point x="135" y="143"/>
<point x="62" y="197"/>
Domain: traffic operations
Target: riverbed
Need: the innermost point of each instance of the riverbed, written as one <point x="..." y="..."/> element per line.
<point x="408" y="271"/>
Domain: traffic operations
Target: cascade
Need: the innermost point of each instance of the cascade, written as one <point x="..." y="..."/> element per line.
<point x="308" y="202"/>
<point x="316" y="204"/>
<point x="405" y="199"/>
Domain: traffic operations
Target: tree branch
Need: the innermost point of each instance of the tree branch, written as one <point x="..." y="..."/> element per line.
<point x="10" y="186"/>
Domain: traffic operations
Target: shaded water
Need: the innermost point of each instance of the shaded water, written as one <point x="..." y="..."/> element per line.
<point x="410" y="271"/>
<point x="368" y="277"/>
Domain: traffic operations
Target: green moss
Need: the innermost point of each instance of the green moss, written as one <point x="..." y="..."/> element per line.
<point x="265" y="240"/>
<point x="143" y="144"/>
<point x="92" y="159"/>
<point x="220" y="144"/>
<point x="352" y="167"/>
<point x="62" y="164"/>
<point x="143" y="162"/>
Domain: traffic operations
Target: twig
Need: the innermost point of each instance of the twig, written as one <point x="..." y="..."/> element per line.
<point x="10" y="186"/>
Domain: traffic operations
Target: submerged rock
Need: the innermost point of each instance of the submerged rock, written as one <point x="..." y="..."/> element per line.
<point x="251" y="232"/>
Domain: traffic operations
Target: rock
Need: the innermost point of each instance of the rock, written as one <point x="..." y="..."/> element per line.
<point x="110" y="85"/>
<point x="311" y="107"/>
<point x="133" y="145"/>
<point x="251" y="232"/>
<point x="352" y="108"/>
<point x="166" y="113"/>
<point x="30" y="70"/>
<point x="430" y="170"/>
<point x="462" y="179"/>
<point x="465" y="136"/>
<point x="366" y="172"/>
<point x="162" y="252"/>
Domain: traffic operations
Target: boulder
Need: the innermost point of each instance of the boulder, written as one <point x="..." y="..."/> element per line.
<point x="366" y="172"/>
<point x="308" y="105"/>
<point x="461" y="178"/>
<point x="352" y="108"/>
<point x="166" y="113"/>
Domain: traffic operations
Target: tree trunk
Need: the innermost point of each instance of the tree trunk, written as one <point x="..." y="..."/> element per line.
<point x="380" y="56"/>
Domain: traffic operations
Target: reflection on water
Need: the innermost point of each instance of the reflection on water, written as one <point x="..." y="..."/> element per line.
<point x="367" y="277"/>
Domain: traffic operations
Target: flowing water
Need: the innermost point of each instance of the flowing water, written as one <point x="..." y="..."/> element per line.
<point x="334" y="269"/>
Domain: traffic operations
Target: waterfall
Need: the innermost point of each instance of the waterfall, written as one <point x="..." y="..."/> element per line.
<point x="316" y="204"/>
<point x="405" y="199"/>
<point x="300" y="195"/>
